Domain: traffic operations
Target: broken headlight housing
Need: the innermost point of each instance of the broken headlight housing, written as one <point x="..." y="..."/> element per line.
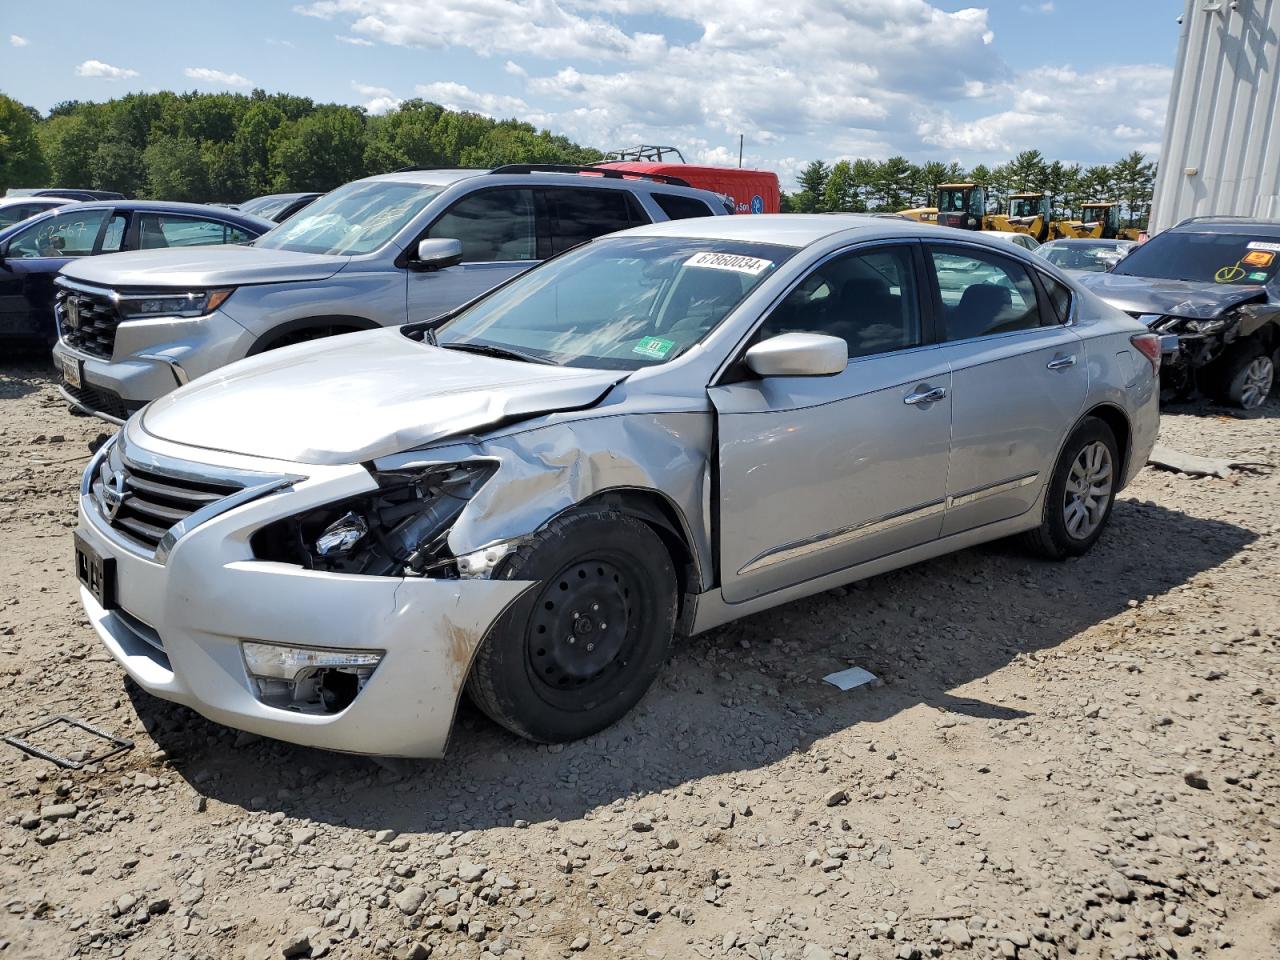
<point x="401" y="529"/>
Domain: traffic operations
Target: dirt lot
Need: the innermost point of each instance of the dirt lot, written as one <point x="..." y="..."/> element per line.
<point x="1073" y="759"/>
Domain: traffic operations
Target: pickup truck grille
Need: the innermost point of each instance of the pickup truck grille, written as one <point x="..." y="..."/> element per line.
<point x="87" y="322"/>
<point x="142" y="505"/>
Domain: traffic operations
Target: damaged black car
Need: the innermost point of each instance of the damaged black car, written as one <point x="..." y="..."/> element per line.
<point x="1214" y="284"/>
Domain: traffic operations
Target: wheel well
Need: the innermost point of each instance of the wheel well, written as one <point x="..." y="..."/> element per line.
<point x="654" y="509"/>
<point x="1114" y="418"/>
<point x="283" y="334"/>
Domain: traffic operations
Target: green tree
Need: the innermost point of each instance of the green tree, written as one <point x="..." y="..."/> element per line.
<point x="69" y="141"/>
<point x="841" y="192"/>
<point x="175" y="169"/>
<point x="118" y="165"/>
<point x="813" y="181"/>
<point x="22" y="162"/>
<point x="1133" y="178"/>
<point x="320" y="151"/>
<point x="892" y="184"/>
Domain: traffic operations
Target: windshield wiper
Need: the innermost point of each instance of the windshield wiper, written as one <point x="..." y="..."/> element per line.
<point x="488" y="350"/>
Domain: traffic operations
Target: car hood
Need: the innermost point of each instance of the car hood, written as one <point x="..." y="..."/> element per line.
<point x="1169" y="298"/>
<point x="216" y="266"/>
<point x="361" y="396"/>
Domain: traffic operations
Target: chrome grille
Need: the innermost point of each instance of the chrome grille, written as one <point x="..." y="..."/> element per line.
<point x="143" y="504"/>
<point x="87" y="321"/>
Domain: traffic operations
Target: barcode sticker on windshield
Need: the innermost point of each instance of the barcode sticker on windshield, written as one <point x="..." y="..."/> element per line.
<point x="1260" y="245"/>
<point x="729" y="261"/>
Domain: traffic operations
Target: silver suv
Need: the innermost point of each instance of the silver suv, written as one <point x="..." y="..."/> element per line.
<point x="382" y="251"/>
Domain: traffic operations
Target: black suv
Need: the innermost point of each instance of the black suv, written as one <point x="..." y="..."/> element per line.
<point x="1214" y="283"/>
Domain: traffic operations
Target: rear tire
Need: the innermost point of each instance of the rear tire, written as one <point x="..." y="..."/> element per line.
<point x="579" y="650"/>
<point x="1081" y="493"/>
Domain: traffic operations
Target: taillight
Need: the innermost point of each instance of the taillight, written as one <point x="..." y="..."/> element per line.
<point x="1148" y="344"/>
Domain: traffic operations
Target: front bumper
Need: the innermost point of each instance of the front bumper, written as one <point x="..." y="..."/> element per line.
<point x="150" y="358"/>
<point x="179" y="624"/>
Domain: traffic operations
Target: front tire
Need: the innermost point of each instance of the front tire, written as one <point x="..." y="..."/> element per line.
<point x="1249" y="375"/>
<point x="579" y="650"/>
<point x="1081" y="493"/>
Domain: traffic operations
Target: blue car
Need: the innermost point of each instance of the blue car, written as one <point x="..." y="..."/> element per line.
<point x="33" y="251"/>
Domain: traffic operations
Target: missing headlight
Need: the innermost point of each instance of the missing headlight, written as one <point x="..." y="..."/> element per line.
<point x="401" y="529"/>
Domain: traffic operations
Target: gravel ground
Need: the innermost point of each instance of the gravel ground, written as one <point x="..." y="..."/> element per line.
<point x="1075" y="759"/>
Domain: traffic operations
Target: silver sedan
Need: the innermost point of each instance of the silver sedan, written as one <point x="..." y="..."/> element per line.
<point x="654" y="433"/>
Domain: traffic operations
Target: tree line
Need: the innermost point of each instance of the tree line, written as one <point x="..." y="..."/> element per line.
<point x="227" y="147"/>
<point x="873" y="186"/>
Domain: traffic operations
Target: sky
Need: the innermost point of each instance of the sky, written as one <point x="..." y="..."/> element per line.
<point x="1085" y="81"/>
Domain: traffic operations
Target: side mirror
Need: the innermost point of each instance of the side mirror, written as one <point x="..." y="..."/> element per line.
<point x="437" y="253"/>
<point x="798" y="355"/>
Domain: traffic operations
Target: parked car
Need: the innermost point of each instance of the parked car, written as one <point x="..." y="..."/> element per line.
<point x="277" y="206"/>
<point x="363" y="256"/>
<point x="1212" y="287"/>
<point x="32" y="253"/>
<point x="72" y="193"/>
<point x="16" y="209"/>
<point x="1086" y="256"/>
<point x="657" y="431"/>
<point x="1023" y="240"/>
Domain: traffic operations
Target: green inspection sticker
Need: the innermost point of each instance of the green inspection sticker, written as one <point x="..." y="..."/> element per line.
<point x="1258" y="275"/>
<point x="653" y="347"/>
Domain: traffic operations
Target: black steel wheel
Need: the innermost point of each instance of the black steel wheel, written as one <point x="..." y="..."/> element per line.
<point x="577" y="652"/>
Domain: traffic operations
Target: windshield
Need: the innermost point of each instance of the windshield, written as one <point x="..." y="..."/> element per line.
<point x="1225" y="258"/>
<point x="1026" y="206"/>
<point x="265" y="207"/>
<point x="354" y="219"/>
<point x="1095" y="258"/>
<point x="618" y="304"/>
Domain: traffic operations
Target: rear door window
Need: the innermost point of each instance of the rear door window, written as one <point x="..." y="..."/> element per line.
<point x="579" y="215"/>
<point x="681" y="208"/>
<point x="113" y="236"/>
<point x="494" y="226"/>
<point x="983" y="293"/>
<point x="156" y="230"/>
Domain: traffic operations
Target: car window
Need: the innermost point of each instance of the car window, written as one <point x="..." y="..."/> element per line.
<point x="237" y="234"/>
<point x="982" y="294"/>
<point x="868" y="299"/>
<point x="493" y="225"/>
<point x="64" y="235"/>
<point x="1222" y="258"/>
<point x="1059" y="297"/>
<point x="582" y="215"/>
<point x="681" y="208"/>
<point x="156" y="230"/>
<point x="113" y="237"/>
<point x="355" y="219"/>
<point x="19" y="211"/>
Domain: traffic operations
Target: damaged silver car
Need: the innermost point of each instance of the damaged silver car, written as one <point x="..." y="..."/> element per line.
<point x="650" y="435"/>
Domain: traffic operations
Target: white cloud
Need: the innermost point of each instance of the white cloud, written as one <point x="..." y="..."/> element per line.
<point x="821" y="78"/>
<point x="382" y="100"/>
<point x="104" y="71"/>
<point x="458" y="96"/>
<point x="17" y="41"/>
<point x="354" y="41"/>
<point x="217" y="77"/>
<point x="1063" y="113"/>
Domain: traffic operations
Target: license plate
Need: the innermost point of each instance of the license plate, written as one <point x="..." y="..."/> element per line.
<point x="97" y="573"/>
<point x="72" y="368"/>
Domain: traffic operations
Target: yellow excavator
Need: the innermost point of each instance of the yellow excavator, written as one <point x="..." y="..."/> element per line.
<point x="1099" y="220"/>
<point x="1028" y="213"/>
<point x="961" y="205"/>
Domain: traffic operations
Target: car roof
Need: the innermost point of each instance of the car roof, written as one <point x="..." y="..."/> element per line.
<point x="175" y="207"/>
<point x="1252" y="226"/>
<point x="427" y="176"/>
<point x="787" y="229"/>
<point x="32" y="198"/>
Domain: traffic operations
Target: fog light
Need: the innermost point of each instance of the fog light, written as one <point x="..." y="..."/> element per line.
<point x="341" y="535"/>
<point x="270" y="660"/>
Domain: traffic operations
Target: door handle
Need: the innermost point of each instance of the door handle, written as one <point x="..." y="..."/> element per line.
<point x="926" y="396"/>
<point x="1061" y="363"/>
